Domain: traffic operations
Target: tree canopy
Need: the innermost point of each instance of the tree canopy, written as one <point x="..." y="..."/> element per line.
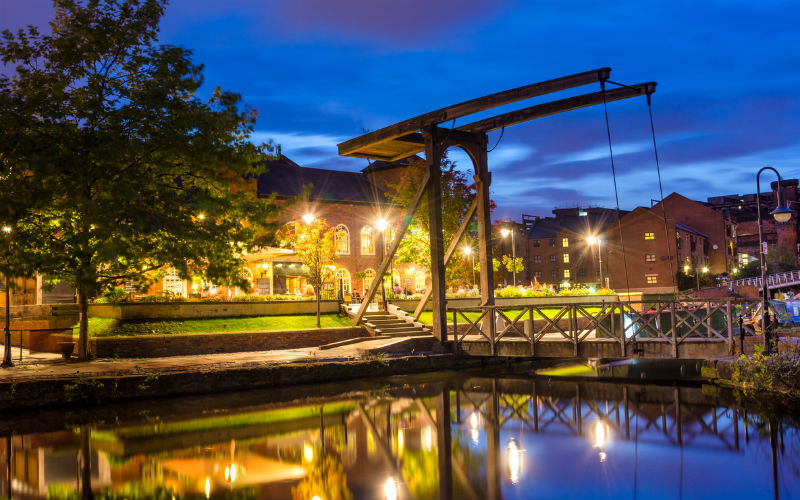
<point x="113" y="165"/>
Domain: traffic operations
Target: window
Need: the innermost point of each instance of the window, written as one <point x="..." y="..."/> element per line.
<point x="649" y="236"/>
<point x="173" y="284"/>
<point x="565" y="258"/>
<point x="744" y="259"/>
<point x="537" y="259"/>
<point x="553" y="258"/>
<point x="552" y="243"/>
<point x="369" y="276"/>
<point x="342" y="276"/>
<point x="651" y="257"/>
<point x="566" y="273"/>
<point x="535" y="243"/>
<point x="678" y="242"/>
<point x="367" y="241"/>
<point x="419" y="280"/>
<point x="553" y="273"/>
<point x="537" y="274"/>
<point x="582" y="272"/>
<point x="565" y="242"/>
<point x="342" y="240"/>
<point x="652" y="279"/>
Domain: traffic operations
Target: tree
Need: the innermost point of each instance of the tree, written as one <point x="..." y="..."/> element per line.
<point x="315" y="244"/>
<point x="457" y="195"/>
<point x="124" y="169"/>
<point x="513" y="265"/>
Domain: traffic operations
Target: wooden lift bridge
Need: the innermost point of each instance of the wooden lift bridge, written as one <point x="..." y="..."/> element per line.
<point x="424" y="133"/>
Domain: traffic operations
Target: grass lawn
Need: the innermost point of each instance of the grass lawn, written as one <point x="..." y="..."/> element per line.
<point x="427" y="316"/>
<point x="107" y="327"/>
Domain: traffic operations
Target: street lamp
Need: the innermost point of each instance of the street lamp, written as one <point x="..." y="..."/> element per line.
<point x="308" y="218"/>
<point x="782" y="213"/>
<point x="591" y="240"/>
<point x="505" y="232"/>
<point x="697" y="271"/>
<point x="7" y="350"/>
<point x="382" y="225"/>
<point x="468" y="251"/>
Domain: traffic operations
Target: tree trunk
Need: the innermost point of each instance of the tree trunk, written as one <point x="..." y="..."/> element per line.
<point x="83" y="330"/>
<point x="317" y="291"/>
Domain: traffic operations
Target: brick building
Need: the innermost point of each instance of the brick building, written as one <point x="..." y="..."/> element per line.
<point x="558" y="251"/>
<point x="740" y="211"/>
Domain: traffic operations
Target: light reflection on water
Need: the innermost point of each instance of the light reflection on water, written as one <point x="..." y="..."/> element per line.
<point x="510" y="438"/>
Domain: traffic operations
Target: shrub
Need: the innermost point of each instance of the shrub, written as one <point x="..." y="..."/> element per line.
<point x="775" y="372"/>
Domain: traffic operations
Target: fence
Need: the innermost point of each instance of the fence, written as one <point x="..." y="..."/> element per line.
<point x="788" y="278"/>
<point x="624" y="322"/>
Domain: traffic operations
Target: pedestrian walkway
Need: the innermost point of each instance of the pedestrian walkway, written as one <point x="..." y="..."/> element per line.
<point x="43" y="366"/>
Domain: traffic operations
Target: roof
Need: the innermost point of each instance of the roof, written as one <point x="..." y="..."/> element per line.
<point x="579" y="224"/>
<point x="688" y="229"/>
<point x="287" y="179"/>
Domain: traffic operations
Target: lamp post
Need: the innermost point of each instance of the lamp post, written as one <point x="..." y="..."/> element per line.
<point x="7" y="348"/>
<point x="697" y="271"/>
<point x="782" y="213"/>
<point x="505" y="232"/>
<point x="468" y="251"/>
<point x="591" y="240"/>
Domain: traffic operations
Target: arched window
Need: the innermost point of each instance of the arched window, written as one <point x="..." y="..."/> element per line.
<point x="369" y="277"/>
<point x="419" y="280"/>
<point x="342" y="240"/>
<point x="343" y="279"/>
<point x="173" y="283"/>
<point x="367" y="241"/>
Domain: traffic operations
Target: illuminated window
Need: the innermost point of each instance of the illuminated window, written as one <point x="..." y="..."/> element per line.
<point x="367" y="241"/>
<point x="342" y="276"/>
<point x="564" y="242"/>
<point x="651" y="257"/>
<point x="652" y="279"/>
<point x="649" y="236"/>
<point x="537" y="259"/>
<point x="369" y="276"/>
<point x="342" y="240"/>
<point x="566" y="273"/>
<point x="565" y="258"/>
<point x="419" y="280"/>
<point x="173" y="284"/>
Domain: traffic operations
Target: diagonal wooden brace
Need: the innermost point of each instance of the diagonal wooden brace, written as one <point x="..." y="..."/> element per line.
<point x="387" y="259"/>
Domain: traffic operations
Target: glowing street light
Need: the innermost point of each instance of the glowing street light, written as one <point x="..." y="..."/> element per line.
<point x="505" y="232"/>
<point x="468" y="252"/>
<point x="308" y="218"/>
<point x="591" y="240"/>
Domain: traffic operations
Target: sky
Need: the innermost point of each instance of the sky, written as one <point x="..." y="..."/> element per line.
<point x="321" y="72"/>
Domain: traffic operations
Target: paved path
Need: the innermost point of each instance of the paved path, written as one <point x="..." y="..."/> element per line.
<point x="38" y="366"/>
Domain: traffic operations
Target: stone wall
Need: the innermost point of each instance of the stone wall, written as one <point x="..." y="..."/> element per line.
<point x="183" y="345"/>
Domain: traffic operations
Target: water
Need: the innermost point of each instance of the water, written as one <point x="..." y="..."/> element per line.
<point x="512" y="437"/>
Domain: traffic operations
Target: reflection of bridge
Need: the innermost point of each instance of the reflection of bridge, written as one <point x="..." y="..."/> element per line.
<point x="659" y="329"/>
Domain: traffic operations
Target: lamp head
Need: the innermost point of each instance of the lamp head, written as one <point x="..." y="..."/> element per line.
<point x="308" y="218"/>
<point x="591" y="240"/>
<point x="505" y="232"/>
<point x="381" y="224"/>
<point x="467" y="250"/>
<point x="782" y="214"/>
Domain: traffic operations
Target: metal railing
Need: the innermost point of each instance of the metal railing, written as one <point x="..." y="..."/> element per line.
<point x="624" y="322"/>
<point x="778" y="280"/>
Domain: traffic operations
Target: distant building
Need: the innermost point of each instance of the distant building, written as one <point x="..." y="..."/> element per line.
<point x="741" y="212"/>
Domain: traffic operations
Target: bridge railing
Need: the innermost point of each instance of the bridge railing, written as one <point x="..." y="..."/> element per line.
<point x="778" y="280"/>
<point x="624" y="322"/>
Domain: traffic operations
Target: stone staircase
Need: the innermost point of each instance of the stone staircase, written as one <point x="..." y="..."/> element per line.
<point x="394" y="323"/>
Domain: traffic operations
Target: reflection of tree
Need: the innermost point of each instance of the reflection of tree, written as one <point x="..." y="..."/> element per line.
<point x="325" y="479"/>
<point x="420" y="471"/>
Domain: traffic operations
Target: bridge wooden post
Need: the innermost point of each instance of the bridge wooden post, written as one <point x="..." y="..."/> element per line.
<point x="443" y="442"/>
<point x="674" y="328"/>
<point x="729" y="318"/>
<point x="433" y="155"/>
<point x="573" y="326"/>
<point x="492" y="427"/>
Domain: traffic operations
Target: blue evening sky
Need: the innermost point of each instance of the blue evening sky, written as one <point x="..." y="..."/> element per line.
<point x="321" y="71"/>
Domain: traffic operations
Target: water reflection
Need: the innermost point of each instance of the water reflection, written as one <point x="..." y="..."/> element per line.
<point x="506" y="438"/>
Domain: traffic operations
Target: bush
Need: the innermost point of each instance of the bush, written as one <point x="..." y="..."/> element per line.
<point x="113" y="296"/>
<point x="509" y="292"/>
<point x="777" y="372"/>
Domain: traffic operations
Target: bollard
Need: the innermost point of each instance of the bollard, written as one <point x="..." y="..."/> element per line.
<point x="741" y="334"/>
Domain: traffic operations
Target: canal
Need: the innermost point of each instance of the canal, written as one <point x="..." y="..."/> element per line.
<point x="442" y="435"/>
